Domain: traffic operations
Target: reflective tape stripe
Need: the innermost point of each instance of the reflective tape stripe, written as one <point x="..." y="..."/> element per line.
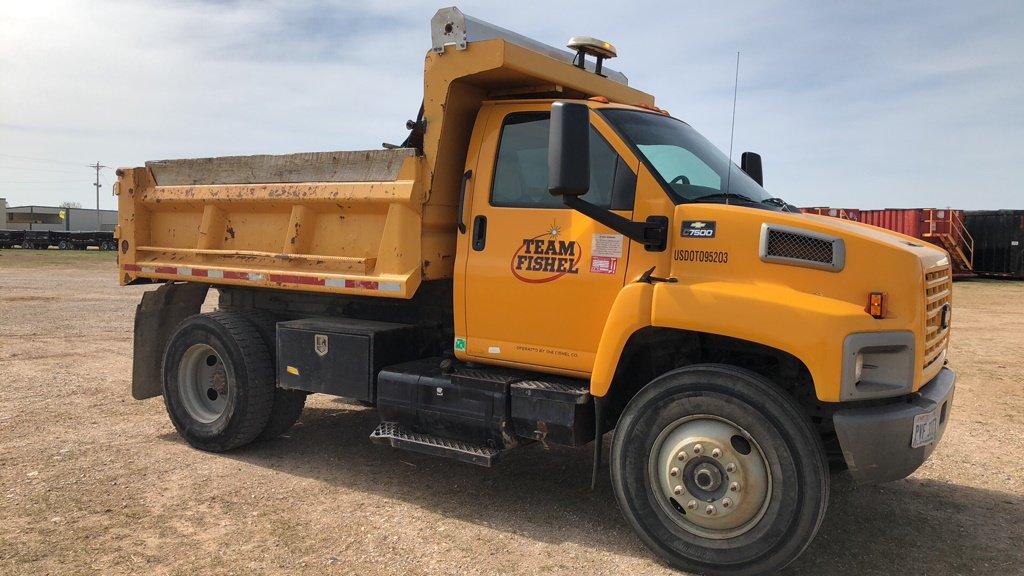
<point x="296" y="279"/>
<point x="334" y="282"/>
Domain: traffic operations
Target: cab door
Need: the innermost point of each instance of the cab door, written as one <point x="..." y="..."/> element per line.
<point x="539" y="278"/>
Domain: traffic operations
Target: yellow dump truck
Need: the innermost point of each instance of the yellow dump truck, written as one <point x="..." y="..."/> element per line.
<point x="546" y="258"/>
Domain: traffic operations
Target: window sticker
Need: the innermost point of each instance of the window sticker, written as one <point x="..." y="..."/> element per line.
<point x="608" y="245"/>
<point x="603" y="265"/>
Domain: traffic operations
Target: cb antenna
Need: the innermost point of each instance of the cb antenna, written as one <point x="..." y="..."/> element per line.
<point x="732" y="128"/>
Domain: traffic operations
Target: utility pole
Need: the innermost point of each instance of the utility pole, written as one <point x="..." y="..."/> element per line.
<point x="97" y="166"/>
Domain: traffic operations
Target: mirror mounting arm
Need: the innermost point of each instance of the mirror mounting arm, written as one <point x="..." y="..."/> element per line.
<point x="653" y="233"/>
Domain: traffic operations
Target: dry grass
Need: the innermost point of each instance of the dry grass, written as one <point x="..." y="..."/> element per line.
<point x="92" y="481"/>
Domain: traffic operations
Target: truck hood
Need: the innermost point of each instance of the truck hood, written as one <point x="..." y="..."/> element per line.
<point x="931" y="255"/>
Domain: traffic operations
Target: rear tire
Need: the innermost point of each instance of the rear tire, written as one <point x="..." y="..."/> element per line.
<point x="719" y="472"/>
<point x="218" y="382"/>
<point x="288" y="404"/>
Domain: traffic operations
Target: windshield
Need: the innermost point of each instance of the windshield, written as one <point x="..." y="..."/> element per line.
<point x="693" y="168"/>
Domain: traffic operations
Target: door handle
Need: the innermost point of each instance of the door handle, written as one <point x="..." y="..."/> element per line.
<point x="461" y="221"/>
<point x="479" y="233"/>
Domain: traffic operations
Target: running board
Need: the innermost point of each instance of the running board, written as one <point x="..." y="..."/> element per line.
<point x="398" y="436"/>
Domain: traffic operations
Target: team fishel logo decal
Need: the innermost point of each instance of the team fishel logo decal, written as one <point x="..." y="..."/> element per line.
<point x="698" y="229"/>
<point x="546" y="257"/>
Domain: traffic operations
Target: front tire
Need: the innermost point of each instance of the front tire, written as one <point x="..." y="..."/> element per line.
<point x="218" y="382"/>
<point x="719" y="472"/>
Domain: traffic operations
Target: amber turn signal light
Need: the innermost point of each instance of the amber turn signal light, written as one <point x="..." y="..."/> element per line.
<point x="877" y="304"/>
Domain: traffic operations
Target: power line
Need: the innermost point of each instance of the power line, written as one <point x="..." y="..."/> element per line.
<point x="34" y="169"/>
<point x="36" y="159"/>
<point x="41" y="182"/>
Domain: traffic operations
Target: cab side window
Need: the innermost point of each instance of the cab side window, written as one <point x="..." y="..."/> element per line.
<point x="521" y="168"/>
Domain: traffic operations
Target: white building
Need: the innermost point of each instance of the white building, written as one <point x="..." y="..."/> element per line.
<point x="55" y="218"/>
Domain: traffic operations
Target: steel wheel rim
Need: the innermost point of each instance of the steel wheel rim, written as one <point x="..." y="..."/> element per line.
<point x="704" y="482"/>
<point x="203" y="383"/>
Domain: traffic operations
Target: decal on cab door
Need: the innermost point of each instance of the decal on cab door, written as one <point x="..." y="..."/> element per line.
<point x="546" y="257"/>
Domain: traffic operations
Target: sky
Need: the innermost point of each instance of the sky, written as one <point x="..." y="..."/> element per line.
<point x="851" y="104"/>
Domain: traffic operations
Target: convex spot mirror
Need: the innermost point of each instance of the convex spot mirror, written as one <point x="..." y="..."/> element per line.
<point x="750" y="162"/>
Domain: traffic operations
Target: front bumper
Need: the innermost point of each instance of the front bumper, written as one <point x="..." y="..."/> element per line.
<point x="876" y="440"/>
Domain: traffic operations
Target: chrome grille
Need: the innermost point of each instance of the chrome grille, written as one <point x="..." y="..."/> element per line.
<point x="938" y="293"/>
<point x="799" y="247"/>
<point x="787" y="245"/>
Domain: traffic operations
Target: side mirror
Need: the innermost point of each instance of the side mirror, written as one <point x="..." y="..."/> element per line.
<point x="569" y="149"/>
<point x="750" y="163"/>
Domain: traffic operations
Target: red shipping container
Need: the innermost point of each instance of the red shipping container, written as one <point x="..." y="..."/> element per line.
<point x="940" y="226"/>
<point x="844" y="213"/>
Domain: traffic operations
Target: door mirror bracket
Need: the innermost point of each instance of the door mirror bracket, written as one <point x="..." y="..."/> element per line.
<point x="653" y="233"/>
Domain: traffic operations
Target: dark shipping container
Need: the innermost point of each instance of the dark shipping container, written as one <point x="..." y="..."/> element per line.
<point x="998" y="242"/>
<point x="10" y="238"/>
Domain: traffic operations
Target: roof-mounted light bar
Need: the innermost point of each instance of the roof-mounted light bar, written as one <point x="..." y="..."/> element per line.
<point x="451" y="27"/>
<point x="585" y="45"/>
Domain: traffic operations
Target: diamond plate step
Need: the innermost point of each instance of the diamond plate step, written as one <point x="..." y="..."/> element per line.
<point x="553" y="388"/>
<point x="398" y="436"/>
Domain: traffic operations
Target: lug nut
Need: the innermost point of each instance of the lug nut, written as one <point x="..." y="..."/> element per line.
<point x="691" y="505"/>
<point x="726" y="503"/>
<point x="677" y="490"/>
<point x="734" y="487"/>
<point x="716" y="453"/>
<point x="710" y="510"/>
<point x="697" y="448"/>
<point x="681" y="455"/>
<point x="673" y="472"/>
<point x="730" y="468"/>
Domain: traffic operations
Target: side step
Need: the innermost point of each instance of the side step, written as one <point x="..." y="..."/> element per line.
<point x="398" y="436"/>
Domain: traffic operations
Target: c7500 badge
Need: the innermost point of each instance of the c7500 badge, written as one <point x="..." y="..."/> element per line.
<point x="698" y="229"/>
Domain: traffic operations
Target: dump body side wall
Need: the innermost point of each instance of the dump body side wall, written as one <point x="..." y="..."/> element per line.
<point x="351" y="236"/>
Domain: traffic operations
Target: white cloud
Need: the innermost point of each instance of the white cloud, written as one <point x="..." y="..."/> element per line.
<point x="862" y="104"/>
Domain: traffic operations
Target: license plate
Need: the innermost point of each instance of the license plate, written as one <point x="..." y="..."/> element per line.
<point x="926" y="429"/>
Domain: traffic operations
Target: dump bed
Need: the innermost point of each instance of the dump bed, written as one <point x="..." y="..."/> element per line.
<point x="323" y="221"/>
<point x="376" y="222"/>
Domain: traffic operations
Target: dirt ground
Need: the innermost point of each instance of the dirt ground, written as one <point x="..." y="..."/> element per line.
<point x="92" y="481"/>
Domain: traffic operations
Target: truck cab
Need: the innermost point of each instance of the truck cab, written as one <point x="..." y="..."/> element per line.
<point x="549" y="258"/>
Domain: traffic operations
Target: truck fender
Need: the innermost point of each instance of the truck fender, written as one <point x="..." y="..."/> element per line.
<point x="773" y="316"/>
<point x="630" y="312"/>
<point x="809" y="327"/>
<point x="156" y="316"/>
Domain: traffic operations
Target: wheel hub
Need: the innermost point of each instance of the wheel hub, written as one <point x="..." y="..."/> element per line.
<point x="712" y="478"/>
<point x="707" y="477"/>
<point x="203" y="383"/>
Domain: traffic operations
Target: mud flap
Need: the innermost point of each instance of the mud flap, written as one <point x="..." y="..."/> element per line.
<point x="159" y="312"/>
